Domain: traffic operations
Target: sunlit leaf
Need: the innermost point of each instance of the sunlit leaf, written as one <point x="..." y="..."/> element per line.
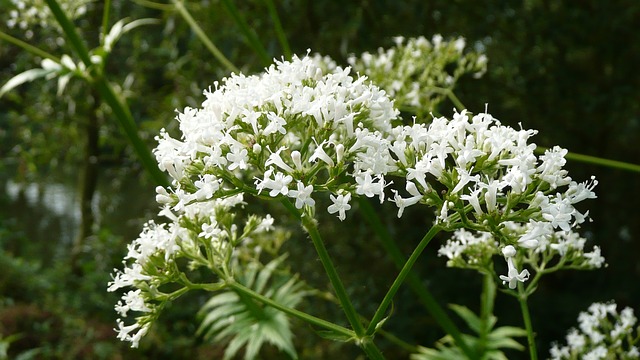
<point x="24" y="77"/>
<point x="121" y="27"/>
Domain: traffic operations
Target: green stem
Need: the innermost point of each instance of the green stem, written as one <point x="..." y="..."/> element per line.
<point x="70" y="32"/>
<point x="406" y="269"/>
<point x="414" y="282"/>
<point x="282" y="38"/>
<point x="120" y="110"/>
<point x="105" y="20"/>
<point x="371" y="349"/>
<point x="596" y="160"/>
<point x="28" y="47"/>
<point x="239" y="288"/>
<point x="341" y="293"/>
<point x="128" y="125"/>
<point x="248" y="32"/>
<point x="526" y="317"/>
<point x="486" y="309"/>
<point x="449" y="93"/>
<point x="203" y="37"/>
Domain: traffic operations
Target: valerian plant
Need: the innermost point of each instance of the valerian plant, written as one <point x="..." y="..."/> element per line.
<point x="295" y="134"/>
<point x="306" y="132"/>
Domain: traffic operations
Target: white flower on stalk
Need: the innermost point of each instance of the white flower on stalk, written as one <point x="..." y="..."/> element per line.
<point x="513" y="276"/>
<point x="402" y="203"/>
<point x="302" y="194"/>
<point x="340" y="205"/>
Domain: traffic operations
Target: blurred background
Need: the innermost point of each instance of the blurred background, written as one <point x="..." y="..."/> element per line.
<point x="73" y="195"/>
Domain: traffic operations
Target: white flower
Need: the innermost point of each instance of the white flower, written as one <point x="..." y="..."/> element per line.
<point x="277" y="185"/>
<point x="596" y="260"/>
<point x="402" y="203"/>
<point x="207" y="185"/>
<point x="512" y="276"/>
<point x="276" y="159"/>
<point x="210" y="231"/>
<point x="266" y="224"/>
<point x="319" y="153"/>
<point x="302" y="195"/>
<point x="238" y="157"/>
<point x="340" y="205"/>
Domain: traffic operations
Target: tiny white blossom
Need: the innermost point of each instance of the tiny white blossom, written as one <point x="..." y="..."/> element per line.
<point x="340" y="205"/>
<point x="302" y="194"/>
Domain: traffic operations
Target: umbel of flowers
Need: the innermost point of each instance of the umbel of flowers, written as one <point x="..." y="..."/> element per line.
<point x="296" y="134"/>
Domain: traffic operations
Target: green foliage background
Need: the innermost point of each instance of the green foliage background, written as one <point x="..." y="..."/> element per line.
<point x="568" y="69"/>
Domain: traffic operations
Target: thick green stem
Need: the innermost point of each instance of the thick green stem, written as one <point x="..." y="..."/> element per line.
<point x="365" y="341"/>
<point x="526" y="317"/>
<point x="414" y="282"/>
<point x="341" y="293"/>
<point x="128" y="126"/>
<point x="406" y="269"/>
<point x="239" y="288"/>
<point x="203" y="37"/>
<point x="371" y="350"/>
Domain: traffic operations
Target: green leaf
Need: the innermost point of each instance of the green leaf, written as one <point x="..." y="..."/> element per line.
<point x="473" y="321"/>
<point x="246" y="323"/>
<point x="333" y="336"/>
<point x="120" y="28"/>
<point x="25" y="77"/>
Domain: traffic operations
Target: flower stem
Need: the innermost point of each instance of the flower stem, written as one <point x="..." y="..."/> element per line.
<point x="406" y="269"/>
<point x="203" y="37"/>
<point x="28" y="47"/>
<point x="239" y="288"/>
<point x="249" y="32"/>
<point x="526" y="317"/>
<point x="341" y="293"/>
<point x="364" y="340"/>
<point x="416" y="285"/>
<point x="108" y="95"/>
<point x="596" y="160"/>
<point x="282" y="38"/>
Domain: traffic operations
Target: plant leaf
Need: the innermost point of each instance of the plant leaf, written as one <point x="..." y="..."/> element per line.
<point x="472" y="320"/>
<point x="120" y="28"/>
<point x="23" y="77"/>
<point x="245" y="322"/>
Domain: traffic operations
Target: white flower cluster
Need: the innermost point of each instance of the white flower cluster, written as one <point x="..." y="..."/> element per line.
<point x="416" y="72"/>
<point x="286" y="133"/>
<point x="294" y="132"/>
<point x="203" y="233"/>
<point x="549" y="252"/>
<point x="604" y="334"/>
<point x="30" y="13"/>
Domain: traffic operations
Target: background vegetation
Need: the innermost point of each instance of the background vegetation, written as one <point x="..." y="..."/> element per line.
<point x="568" y="69"/>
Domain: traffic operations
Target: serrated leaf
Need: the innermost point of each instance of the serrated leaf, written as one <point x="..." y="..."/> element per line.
<point x="245" y="322"/>
<point x="24" y="77"/>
